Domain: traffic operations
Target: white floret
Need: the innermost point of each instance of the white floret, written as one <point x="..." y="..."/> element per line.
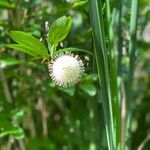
<point x="66" y="69"/>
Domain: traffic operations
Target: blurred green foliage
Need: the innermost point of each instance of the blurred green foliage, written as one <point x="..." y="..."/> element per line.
<point x="35" y="114"/>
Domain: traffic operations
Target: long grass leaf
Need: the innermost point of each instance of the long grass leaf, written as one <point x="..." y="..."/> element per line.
<point x="113" y="70"/>
<point x="95" y="10"/>
<point x="129" y="83"/>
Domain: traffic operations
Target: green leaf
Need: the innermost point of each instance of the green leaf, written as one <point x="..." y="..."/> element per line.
<point x="79" y="3"/>
<point x="68" y="90"/>
<point x="23" y="49"/>
<point x="6" y="61"/>
<point x="6" y="4"/>
<point x="41" y="144"/>
<point x="90" y="78"/>
<point x="58" y="31"/>
<point x="73" y="49"/>
<point x="17" y="132"/>
<point x="18" y="114"/>
<point x="88" y="88"/>
<point x="28" y="44"/>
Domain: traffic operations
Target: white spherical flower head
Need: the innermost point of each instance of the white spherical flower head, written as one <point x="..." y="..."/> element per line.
<point x="66" y="69"/>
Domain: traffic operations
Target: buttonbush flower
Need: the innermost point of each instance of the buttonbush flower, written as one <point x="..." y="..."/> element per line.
<point x="66" y="69"/>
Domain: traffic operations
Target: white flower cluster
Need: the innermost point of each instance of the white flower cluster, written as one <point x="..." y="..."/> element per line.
<point x="66" y="69"/>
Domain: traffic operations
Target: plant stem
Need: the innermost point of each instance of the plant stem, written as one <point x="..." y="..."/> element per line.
<point x="132" y="50"/>
<point x="95" y="10"/>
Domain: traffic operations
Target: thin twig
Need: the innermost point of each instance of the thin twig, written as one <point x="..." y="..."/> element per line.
<point x="29" y="123"/>
<point x="141" y="146"/>
<point x="44" y="115"/>
<point x="5" y="86"/>
<point x="123" y="117"/>
<point x="21" y="144"/>
<point x="10" y="141"/>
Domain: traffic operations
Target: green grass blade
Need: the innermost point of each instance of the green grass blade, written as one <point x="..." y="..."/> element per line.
<point x="113" y="74"/>
<point x="129" y="83"/>
<point x="95" y="10"/>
